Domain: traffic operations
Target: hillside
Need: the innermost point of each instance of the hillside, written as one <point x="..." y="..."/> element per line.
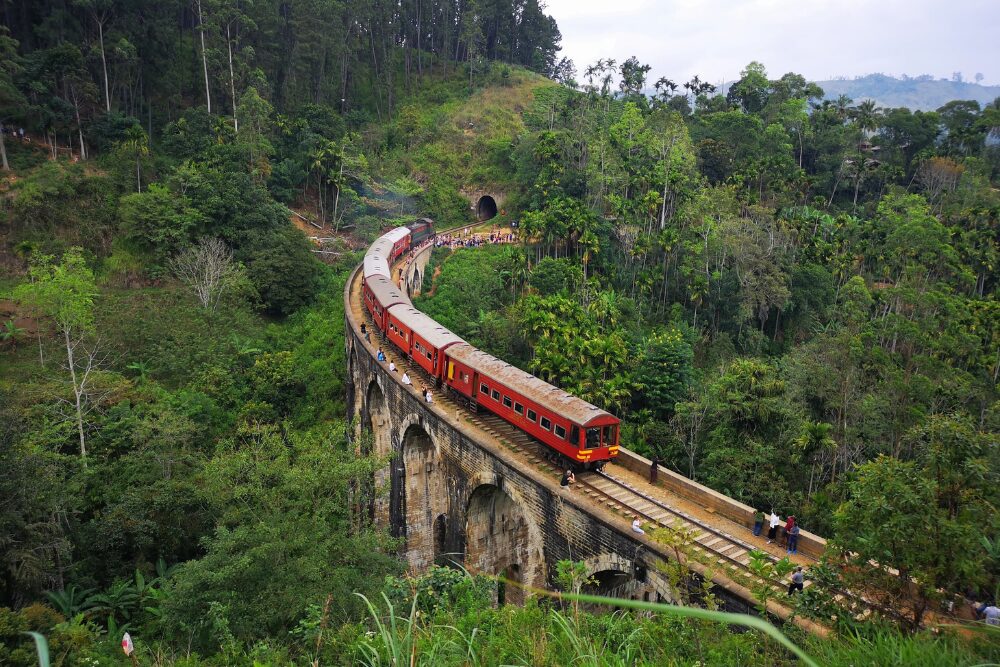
<point x="772" y="307"/>
<point x="920" y="93"/>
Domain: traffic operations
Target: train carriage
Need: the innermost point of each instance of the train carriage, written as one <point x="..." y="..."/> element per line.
<point x="419" y="337"/>
<point x="380" y="294"/>
<point x="376" y="264"/>
<point x="581" y="432"/>
<point x="400" y="240"/>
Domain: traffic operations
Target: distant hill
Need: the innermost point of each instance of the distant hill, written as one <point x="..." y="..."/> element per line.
<point x="922" y="92"/>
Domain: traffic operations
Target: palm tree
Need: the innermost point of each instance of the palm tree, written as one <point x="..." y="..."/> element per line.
<point x="812" y="443"/>
<point x="866" y="117"/>
<point x="135" y="144"/>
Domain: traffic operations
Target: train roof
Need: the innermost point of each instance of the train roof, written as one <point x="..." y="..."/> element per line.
<point x="396" y="234"/>
<point x="566" y="405"/>
<point x="376" y="264"/>
<point x="386" y="293"/>
<point x="420" y="221"/>
<point x="424" y="326"/>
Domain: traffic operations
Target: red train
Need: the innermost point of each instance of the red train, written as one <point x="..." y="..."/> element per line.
<point x="578" y="433"/>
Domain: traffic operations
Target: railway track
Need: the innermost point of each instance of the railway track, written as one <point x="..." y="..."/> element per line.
<point x="708" y="544"/>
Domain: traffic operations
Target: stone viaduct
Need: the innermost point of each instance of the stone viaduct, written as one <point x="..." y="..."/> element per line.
<point x="455" y="494"/>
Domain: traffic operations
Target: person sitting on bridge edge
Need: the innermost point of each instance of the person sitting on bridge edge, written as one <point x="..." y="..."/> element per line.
<point x="392" y="366"/>
<point x="637" y="527"/>
<point x="793" y="539"/>
<point x="797" y="580"/>
<point x="380" y="355"/>
<point x="758" y="522"/>
<point x="427" y="395"/>
<point x="567" y="479"/>
<point x="772" y="531"/>
<point x="406" y="379"/>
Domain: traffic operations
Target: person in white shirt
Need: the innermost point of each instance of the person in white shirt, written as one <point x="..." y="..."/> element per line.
<point x="428" y="397"/>
<point x="773" y="524"/>
<point x="392" y="366"/>
<point x="637" y="527"/>
<point x="406" y="378"/>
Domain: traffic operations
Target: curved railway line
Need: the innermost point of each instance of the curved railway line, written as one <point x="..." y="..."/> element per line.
<point x="709" y="539"/>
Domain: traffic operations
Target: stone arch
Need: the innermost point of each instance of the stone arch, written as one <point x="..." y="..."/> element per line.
<point x="375" y="419"/>
<point x="418" y="492"/>
<point x="497" y="538"/>
<point x="486" y="208"/>
<point x="626" y="577"/>
<point x="375" y="437"/>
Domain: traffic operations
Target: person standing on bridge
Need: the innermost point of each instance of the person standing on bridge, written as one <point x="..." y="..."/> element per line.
<point x="758" y="522"/>
<point x="654" y="470"/>
<point x="793" y="539"/>
<point x="567" y="479"/>
<point x="772" y="531"/>
<point x="786" y="530"/>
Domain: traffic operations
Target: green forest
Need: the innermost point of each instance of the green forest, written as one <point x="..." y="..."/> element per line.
<point x="789" y="299"/>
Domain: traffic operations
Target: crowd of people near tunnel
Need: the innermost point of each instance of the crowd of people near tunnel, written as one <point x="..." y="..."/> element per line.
<point x="467" y="239"/>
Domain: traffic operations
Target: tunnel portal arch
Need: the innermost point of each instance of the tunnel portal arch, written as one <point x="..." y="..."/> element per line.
<point x="486" y="208"/>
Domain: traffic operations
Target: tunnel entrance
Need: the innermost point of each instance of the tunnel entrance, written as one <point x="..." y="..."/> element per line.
<point x="486" y="209"/>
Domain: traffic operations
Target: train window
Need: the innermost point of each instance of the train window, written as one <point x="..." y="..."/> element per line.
<point x="495" y="394"/>
<point x="593" y="437"/>
<point x="574" y="435"/>
<point x="606" y="436"/>
<point x="531" y="415"/>
<point x="518" y="408"/>
<point x="560" y="431"/>
<point x="483" y="389"/>
<point x="545" y="423"/>
<point x="506" y="401"/>
<point x="428" y="354"/>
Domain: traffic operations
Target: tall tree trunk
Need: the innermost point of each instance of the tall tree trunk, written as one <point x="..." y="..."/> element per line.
<point x="77" y="396"/>
<point x="3" y="151"/>
<point x="232" y="77"/>
<point x="204" y="58"/>
<point x="79" y="125"/>
<point x="104" y="64"/>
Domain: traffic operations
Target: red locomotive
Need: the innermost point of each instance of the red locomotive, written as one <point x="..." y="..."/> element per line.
<point x="575" y="431"/>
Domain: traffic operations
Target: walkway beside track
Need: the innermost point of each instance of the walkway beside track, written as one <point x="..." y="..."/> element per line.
<point x="720" y="547"/>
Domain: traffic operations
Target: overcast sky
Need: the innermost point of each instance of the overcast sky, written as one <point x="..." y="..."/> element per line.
<point x="819" y="39"/>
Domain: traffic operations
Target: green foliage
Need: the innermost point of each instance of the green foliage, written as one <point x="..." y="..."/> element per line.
<point x="158" y="221"/>
<point x="284" y="537"/>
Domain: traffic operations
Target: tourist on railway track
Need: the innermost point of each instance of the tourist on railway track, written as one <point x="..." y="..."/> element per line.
<point x="392" y="366"/>
<point x="798" y="578"/>
<point x="637" y="527"/>
<point x="772" y="531"/>
<point x="758" y="522"/>
<point x="380" y="355"/>
<point x="406" y="379"/>
<point x="654" y="471"/>
<point x="567" y="479"/>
